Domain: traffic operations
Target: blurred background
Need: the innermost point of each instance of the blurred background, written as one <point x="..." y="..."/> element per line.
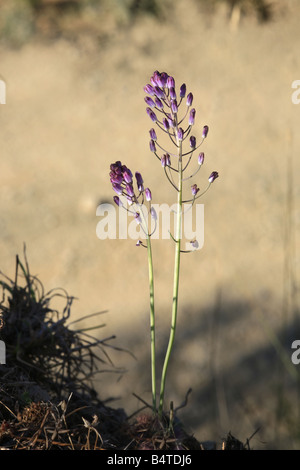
<point x="74" y="74"/>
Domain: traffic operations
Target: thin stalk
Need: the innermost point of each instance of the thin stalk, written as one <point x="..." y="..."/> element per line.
<point x="176" y="281"/>
<point x="152" y="323"/>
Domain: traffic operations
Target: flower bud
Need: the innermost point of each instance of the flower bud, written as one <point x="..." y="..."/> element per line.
<point x="153" y="213"/>
<point x="152" y="146"/>
<point x="114" y="178"/>
<point x="163" y="79"/>
<point x="127" y="176"/>
<point x="166" y="124"/>
<point x="173" y="93"/>
<point x="213" y="176"/>
<point x="170" y="82"/>
<point x="194" y="189"/>
<point x="182" y="90"/>
<point x="118" y="201"/>
<point x="201" y="158"/>
<point x="149" y="89"/>
<point x="153" y="134"/>
<point x="151" y="114"/>
<point x="189" y="99"/>
<point x="180" y="133"/>
<point x="163" y="161"/>
<point x="192" y="117"/>
<point x="148" y="194"/>
<point x="158" y="103"/>
<point x="205" y="132"/>
<point x="138" y="218"/>
<point x="149" y="101"/>
<point x="192" y="142"/>
<point x="158" y="92"/>
<point x="129" y="190"/>
<point x="139" y="243"/>
<point x="194" y="244"/>
<point x="117" y="188"/>
<point x="139" y="181"/>
<point x="168" y="159"/>
<point x="174" y="106"/>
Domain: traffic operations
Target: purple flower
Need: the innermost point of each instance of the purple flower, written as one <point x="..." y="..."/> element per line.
<point x="189" y="99"/>
<point x="201" y="158"/>
<point x="152" y="146"/>
<point x="182" y="90"/>
<point x="117" y="188"/>
<point x="139" y="181"/>
<point x="148" y="194"/>
<point x="149" y="89"/>
<point x="173" y="93"/>
<point x="129" y="190"/>
<point x="118" y="201"/>
<point x="158" y="103"/>
<point x="192" y="117"/>
<point x="166" y="124"/>
<point x="153" y="134"/>
<point x="151" y="114"/>
<point x="180" y="133"/>
<point x="170" y="82"/>
<point x="192" y="142"/>
<point x="127" y="176"/>
<point x="205" y="132"/>
<point x="138" y="218"/>
<point x="149" y="101"/>
<point x="158" y="92"/>
<point x="214" y="175"/>
<point x="115" y="178"/>
<point x="174" y="106"/>
<point x="194" y="189"/>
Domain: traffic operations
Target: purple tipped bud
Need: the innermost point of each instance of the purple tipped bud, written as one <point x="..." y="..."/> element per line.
<point x="173" y="93"/>
<point x="149" y="89"/>
<point x="201" y="158"/>
<point x="182" y="90"/>
<point x="139" y="243"/>
<point x="159" y="93"/>
<point x="213" y="176"/>
<point x="151" y="114"/>
<point x="154" y="78"/>
<point x="153" y="213"/>
<point x="153" y="134"/>
<point x="180" y="133"/>
<point x="139" y="181"/>
<point x="194" y="189"/>
<point x="163" y="79"/>
<point x="117" y="188"/>
<point x="189" y="99"/>
<point x="148" y="194"/>
<point x="192" y="142"/>
<point x="152" y="146"/>
<point x="192" y="117"/>
<point x="118" y="201"/>
<point x="158" y="103"/>
<point x="163" y="161"/>
<point x="205" y="132"/>
<point x="118" y="179"/>
<point x="168" y="159"/>
<point x="138" y="218"/>
<point x="166" y="124"/>
<point x="194" y="244"/>
<point x="129" y="190"/>
<point x="174" y="106"/>
<point x="170" y="82"/>
<point x="127" y="176"/>
<point x="149" y="101"/>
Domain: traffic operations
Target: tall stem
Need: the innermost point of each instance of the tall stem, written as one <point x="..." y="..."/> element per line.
<point x="152" y="323"/>
<point x="176" y="280"/>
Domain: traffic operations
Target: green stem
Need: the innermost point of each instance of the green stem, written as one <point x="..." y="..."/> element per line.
<point x="176" y="282"/>
<point x="152" y="323"/>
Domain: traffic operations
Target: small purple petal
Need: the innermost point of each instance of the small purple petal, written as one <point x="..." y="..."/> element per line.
<point x="166" y="124"/>
<point x="192" y="117"/>
<point x="201" y="158"/>
<point x="182" y="90"/>
<point x="152" y="146"/>
<point x="205" y="132"/>
<point x="158" y="103"/>
<point x="194" y="189"/>
<point x="189" y="99"/>
<point x="148" y="194"/>
<point x="127" y="176"/>
<point x="173" y="93"/>
<point x="192" y="142"/>
<point x="170" y="82"/>
<point x="118" y="201"/>
<point x="213" y="176"/>
<point x="153" y="134"/>
<point x="139" y="181"/>
<point x="174" y="106"/>
<point x="149" y="89"/>
<point x="158" y="92"/>
<point x="180" y="133"/>
<point x="151" y="114"/>
<point x="149" y="101"/>
<point x="138" y="218"/>
<point x="117" y="188"/>
<point x="129" y="190"/>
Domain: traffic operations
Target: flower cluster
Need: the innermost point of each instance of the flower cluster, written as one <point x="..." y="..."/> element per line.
<point x="163" y="107"/>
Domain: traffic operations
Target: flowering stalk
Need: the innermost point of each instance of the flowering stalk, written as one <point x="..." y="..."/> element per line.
<point x="122" y="183"/>
<point x="166" y="102"/>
